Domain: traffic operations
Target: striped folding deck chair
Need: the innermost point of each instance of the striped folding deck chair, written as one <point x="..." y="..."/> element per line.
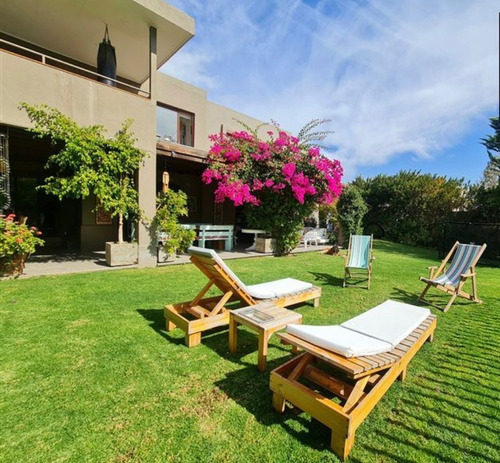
<point x="452" y="280"/>
<point x="358" y="261"/>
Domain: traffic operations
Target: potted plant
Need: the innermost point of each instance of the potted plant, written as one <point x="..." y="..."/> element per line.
<point x="171" y="236"/>
<point x="17" y="242"/>
<point x="89" y="163"/>
<point x="280" y="181"/>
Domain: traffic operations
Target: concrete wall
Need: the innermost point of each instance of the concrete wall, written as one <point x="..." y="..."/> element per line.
<point x="208" y="115"/>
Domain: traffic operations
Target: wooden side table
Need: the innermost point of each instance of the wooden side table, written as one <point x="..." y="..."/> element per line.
<point x="265" y="318"/>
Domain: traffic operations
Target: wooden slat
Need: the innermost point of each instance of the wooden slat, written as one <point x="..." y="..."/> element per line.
<point x="336" y="386"/>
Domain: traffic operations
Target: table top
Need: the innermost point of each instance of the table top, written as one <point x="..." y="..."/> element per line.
<point x="266" y="315"/>
<point x="251" y="230"/>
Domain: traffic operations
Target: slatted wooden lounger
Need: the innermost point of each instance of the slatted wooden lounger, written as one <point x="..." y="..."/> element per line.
<point x="356" y="383"/>
<point x="211" y="312"/>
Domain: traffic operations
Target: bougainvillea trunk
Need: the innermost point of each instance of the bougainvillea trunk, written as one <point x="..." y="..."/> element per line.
<point x="120" y="228"/>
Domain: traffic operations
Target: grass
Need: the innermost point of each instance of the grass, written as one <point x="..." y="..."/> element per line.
<point x="88" y="373"/>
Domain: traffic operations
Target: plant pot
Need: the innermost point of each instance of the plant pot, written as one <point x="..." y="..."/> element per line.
<point x="121" y="253"/>
<point x="164" y="257"/>
<point x="264" y="244"/>
<point x="12" y="266"/>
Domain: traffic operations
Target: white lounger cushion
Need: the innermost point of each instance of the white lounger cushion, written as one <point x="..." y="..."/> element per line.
<point x="269" y="290"/>
<point x="378" y="330"/>
<point x="277" y="288"/>
<point x="390" y="321"/>
<point x="340" y="340"/>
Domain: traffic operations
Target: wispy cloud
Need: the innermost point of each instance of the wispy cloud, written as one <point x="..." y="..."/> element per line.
<point x="395" y="76"/>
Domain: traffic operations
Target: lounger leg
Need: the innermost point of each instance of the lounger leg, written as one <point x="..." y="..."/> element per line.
<point x="170" y="325"/>
<point x="450" y="302"/>
<point x="278" y="403"/>
<point x="342" y="445"/>
<point x="474" y="290"/>
<point x="316" y="302"/>
<point x="424" y="292"/>
<point x="431" y="337"/>
<point x="402" y="375"/>
<point x="192" y="340"/>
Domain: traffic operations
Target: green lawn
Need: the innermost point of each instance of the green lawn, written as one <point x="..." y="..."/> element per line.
<point x="88" y="373"/>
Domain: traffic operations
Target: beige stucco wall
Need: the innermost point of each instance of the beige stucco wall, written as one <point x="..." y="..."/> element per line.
<point x="209" y="116"/>
<point x="87" y="102"/>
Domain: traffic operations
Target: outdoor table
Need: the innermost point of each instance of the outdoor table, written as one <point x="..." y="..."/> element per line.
<point x="265" y="318"/>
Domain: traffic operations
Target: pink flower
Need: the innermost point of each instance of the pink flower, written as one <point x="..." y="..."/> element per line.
<point x="288" y="169"/>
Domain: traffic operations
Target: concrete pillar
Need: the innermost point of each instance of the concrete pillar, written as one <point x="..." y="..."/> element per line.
<point x="147" y="172"/>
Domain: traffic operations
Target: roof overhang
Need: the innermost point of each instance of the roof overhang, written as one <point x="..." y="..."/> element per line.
<point x="178" y="151"/>
<point x="74" y="28"/>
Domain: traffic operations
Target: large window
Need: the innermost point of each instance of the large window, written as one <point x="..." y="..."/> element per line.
<point x="174" y="125"/>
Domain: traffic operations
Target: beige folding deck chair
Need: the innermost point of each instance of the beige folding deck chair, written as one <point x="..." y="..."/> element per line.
<point x="210" y="312"/>
<point x="358" y="261"/>
<point x="346" y="369"/>
<point x="452" y="280"/>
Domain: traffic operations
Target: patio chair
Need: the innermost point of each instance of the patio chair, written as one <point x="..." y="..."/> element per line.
<point x="209" y="312"/>
<point x="358" y="261"/>
<point x="452" y="280"/>
<point x="354" y="364"/>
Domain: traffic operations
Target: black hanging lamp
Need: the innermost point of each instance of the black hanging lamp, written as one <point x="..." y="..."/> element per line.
<point x="106" y="60"/>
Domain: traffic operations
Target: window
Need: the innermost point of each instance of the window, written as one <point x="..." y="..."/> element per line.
<point x="174" y="125"/>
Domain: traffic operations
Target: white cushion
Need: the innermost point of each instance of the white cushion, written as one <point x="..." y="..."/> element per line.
<point x="339" y="340"/>
<point x="277" y="288"/>
<point x="390" y="321"/>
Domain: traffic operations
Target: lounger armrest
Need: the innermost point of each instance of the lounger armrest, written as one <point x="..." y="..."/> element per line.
<point x="467" y="275"/>
<point x="431" y="269"/>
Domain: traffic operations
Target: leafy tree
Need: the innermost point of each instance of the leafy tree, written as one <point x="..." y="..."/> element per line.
<point x="492" y="143"/>
<point x="483" y="204"/>
<point x="491" y="176"/>
<point x="410" y="207"/>
<point x="89" y="163"/>
<point x="170" y="206"/>
<point x="351" y="209"/>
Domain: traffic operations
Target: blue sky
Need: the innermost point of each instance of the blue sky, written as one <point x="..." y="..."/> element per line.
<point x="408" y="84"/>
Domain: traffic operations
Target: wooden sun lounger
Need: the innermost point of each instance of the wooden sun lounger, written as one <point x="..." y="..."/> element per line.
<point x="358" y="382"/>
<point x="211" y="312"/>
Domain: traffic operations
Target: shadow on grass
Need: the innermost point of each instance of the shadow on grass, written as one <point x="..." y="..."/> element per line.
<point x="157" y="323"/>
<point x="327" y="279"/>
<point x="250" y="389"/>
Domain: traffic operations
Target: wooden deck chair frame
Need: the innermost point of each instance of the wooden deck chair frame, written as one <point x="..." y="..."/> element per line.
<point x="351" y="273"/>
<point x="454" y="291"/>
<point x="359" y="382"/>
<point x="212" y="312"/>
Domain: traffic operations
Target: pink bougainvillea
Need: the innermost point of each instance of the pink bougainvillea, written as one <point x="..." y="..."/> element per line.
<point x="243" y="167"/>
<point x="283" y="177"/>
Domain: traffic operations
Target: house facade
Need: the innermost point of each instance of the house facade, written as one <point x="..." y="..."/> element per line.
<point x="49" y="55"/>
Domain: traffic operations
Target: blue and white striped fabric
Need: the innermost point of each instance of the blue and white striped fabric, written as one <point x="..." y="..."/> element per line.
<point x="359" y="256"/>
<point x="464" y="256"/>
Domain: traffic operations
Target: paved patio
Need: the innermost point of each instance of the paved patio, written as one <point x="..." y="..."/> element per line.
<point x="58" y="264"/>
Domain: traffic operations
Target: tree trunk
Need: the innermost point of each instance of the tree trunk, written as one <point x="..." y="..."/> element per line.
<point x="120" y="228"/>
